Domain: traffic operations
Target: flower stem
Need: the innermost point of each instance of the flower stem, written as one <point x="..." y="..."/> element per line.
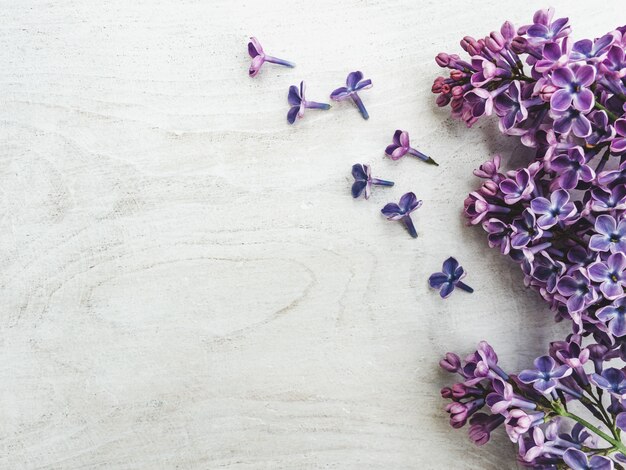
<point x="465" y="287"/>
<point x="380" y="182"/>
<point x="360" y="105"/>
<point x="617" y="444"/>
<point x="276" y="60"/>
<point x="610" y="114"/>
<point x="409" y="225"/>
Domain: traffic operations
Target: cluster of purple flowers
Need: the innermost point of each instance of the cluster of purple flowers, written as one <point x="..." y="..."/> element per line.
<point x="562" y="218"/>
<point x="535" y="407"/>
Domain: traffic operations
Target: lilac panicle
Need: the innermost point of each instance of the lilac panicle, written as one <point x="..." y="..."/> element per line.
<point x="354" y="83"/>
<point x="259" y="57"/>
<point x="562" y="217"/>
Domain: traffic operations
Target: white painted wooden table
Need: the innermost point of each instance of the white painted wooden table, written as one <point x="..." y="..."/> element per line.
<point x="185" y="279"/>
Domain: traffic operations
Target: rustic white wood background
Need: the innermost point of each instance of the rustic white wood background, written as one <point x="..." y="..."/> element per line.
<point x="185" y="279"/>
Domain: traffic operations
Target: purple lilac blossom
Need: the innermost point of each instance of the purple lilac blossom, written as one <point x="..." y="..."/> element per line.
<point x="354" y="83"/>
<point x="259" y="57"/>
<point x="402" y="211"/>
<point x="401" y="146"/>
<point x="449" y="278"/>
<point x="298" y="103"/>
<point x="363" y="181"/>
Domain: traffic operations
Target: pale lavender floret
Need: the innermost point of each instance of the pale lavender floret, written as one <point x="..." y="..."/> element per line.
<point x="572" y="168"/>
<point x="545" y="375"/>
<point x="401" y="146"/>
<point x="402" y="211"/>
<point x="612" y="380"/>
<point x="489" y="169"/>
<point x="609" y="236"/>
<point x="502" y="398"/>
<point x="544" y="29"/>
<point x="517" y="188"/>
<point x="518" y="422"/>
<point x="610" y="274"/>
<point x="259" y="57"/>
<point x="592" y="51"/>
<point x="614" y="316"/>
<point x="363" y="181"/>
<point x="354" y="83"/>
<point x="558" y="208"/>
<point x="298" y="102"/>
<point x="578" y="291"/>
<point x="449" y="278"/>
<point x="578" y="460"/>
<point x="554" y="56"/>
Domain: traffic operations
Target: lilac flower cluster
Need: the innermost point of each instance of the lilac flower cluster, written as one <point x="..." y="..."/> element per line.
<point x="563" y="219"/>
<point x="535" y="407"/>
<point x="564" y="224"/>
<point x="575" y="89"/>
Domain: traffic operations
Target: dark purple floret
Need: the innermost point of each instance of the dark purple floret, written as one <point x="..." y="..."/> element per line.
<point x="449" y="278"/>
<point x="402" y="211"/>
<point x="363" y="181"/>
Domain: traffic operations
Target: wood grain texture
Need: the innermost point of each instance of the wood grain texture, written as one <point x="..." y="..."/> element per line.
<point x="186" y="281"/>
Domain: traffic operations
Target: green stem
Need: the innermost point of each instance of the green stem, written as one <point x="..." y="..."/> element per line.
<point x="610" y="114"/>
<point x="617" y="444"/>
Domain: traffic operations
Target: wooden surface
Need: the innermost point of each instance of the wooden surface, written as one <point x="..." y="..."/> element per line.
<point x="185" y="279"/>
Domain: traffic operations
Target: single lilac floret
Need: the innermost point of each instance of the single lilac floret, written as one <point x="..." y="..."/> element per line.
<point x="612" y="380"/>
<point x="402" y="211"/>
<point x="573" y="88"/>
<point x="572" y="168"/>
<point x="259" y="57"/>
<point x="525" y="230"/>
<point x="578" y="291"/>
<point x="558" y="208"/>
<point x="609" y="236"/>
<point x="517" y="188"/>
<point x="354" y="83"/>
<point x="449" y="278"/>
<point x="578" y="460"/>
<point x="401" y="146"/>
<point x="610" y="274"/>
<point x="546" y="374"/>
<point x="299" y="103"/>
<point x="614" y="316"/>
<point x="363" y="181"/>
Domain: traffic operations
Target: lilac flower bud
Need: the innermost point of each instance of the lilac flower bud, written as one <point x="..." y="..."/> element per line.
<point x="495" y="42"/>
<point x="546" y="92"/>
<point x="437" y="85"/>
<point x="519" y="45"/>
<point x="457" y="75"/>
<point x="442" y="100"/>
<point x="451" y="362"/>
<point x="508" y="30"/>
<point x="481" y="427"/>
<point x="442" y="59"/>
